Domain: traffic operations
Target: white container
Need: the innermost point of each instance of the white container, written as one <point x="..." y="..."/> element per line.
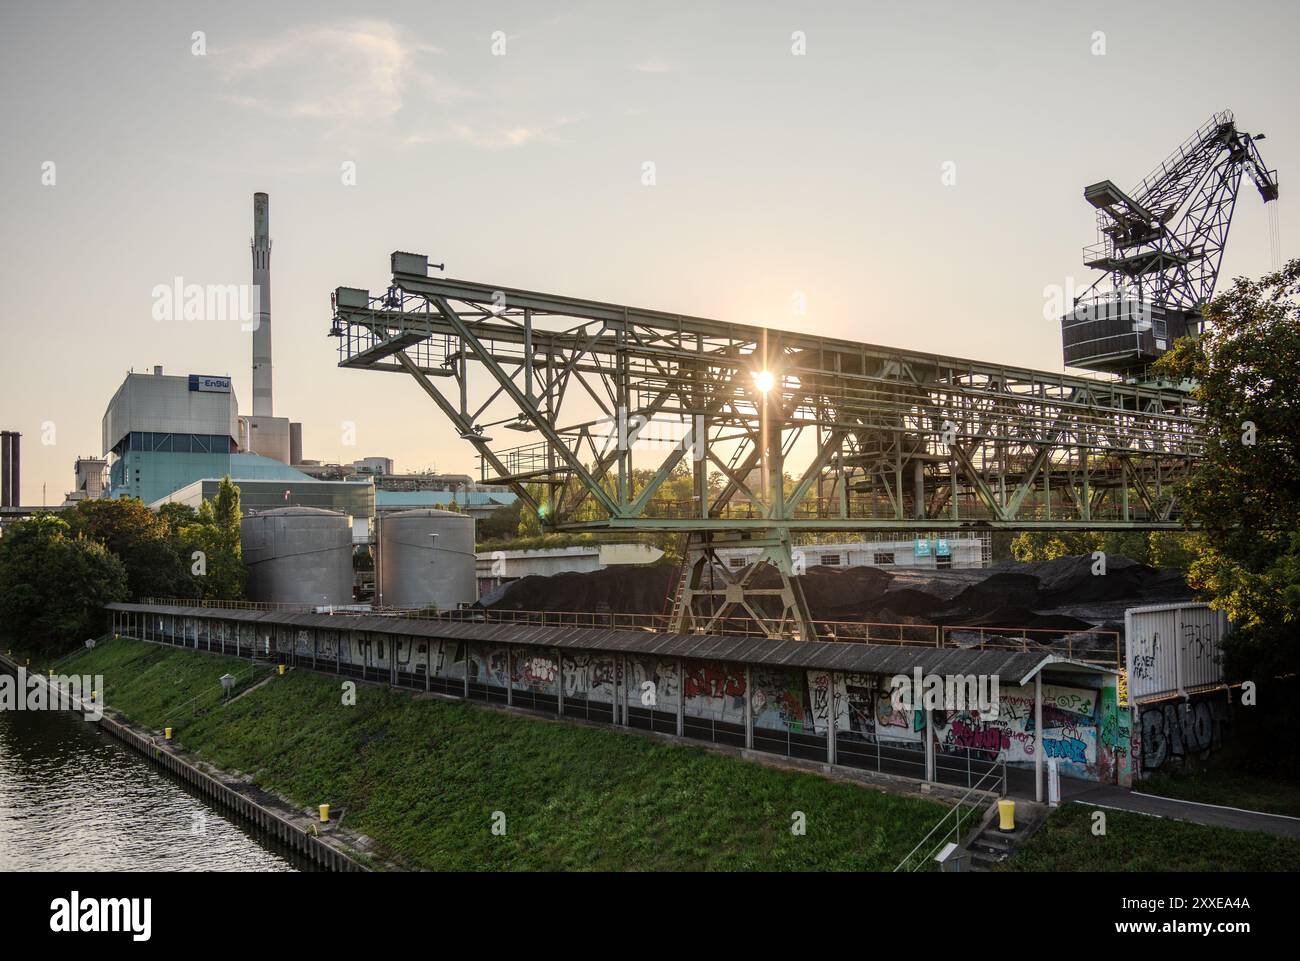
<point x="1173" y="649"/>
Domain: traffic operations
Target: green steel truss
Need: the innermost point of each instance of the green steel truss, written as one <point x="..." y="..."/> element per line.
<point x="609" y="401"/>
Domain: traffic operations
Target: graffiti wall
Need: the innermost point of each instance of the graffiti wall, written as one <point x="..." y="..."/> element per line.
<point x="1176" y="733"/>
<point x="535" y="671"/>
<point x="715" y="690"/>
<point x="590" y="676"/>
<point x="654" y="683"/>
<point x="1071" y="724"/>
<point x="1089" y="731"/>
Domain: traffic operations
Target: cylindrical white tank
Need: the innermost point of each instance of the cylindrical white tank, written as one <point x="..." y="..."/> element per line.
<point x="426" y="557"/>
<point x="298" y="555"/>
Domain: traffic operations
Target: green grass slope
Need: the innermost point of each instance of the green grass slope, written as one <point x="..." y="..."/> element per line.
<point x="423" y="778"/>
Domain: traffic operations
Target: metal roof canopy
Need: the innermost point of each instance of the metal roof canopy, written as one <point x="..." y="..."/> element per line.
<point x="856" y="658"/>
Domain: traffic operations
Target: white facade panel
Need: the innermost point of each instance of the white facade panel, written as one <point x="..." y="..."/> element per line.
<point x="164" y="404"/>
<point x="1171" y="648"/>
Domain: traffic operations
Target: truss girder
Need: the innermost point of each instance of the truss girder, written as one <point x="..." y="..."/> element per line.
<point x="988" y="445"/>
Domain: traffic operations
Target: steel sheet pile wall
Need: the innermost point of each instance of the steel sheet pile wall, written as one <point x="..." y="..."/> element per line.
<point x="816" y="714"/>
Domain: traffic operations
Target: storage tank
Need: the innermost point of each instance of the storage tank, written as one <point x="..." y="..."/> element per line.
<point x="298" y="555"/>
<point x="427" y="557"/>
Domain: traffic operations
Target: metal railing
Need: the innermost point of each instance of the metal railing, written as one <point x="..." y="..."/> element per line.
<point x="944" y="833"/>
<point x="226" y="605"/>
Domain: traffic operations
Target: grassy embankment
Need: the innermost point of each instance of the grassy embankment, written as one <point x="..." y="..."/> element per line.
<point x="1227" y="786"/>
<point x="1138" y="842"/>
<point x="422" y="777"/>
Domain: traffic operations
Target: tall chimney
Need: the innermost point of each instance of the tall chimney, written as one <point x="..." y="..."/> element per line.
<point x="10" y="476"/>
<point x="4" y="469"/>
<point x="262" y="284"/>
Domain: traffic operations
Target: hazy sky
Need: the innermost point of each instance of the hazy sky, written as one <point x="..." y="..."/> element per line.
<point x="776" y="173"/>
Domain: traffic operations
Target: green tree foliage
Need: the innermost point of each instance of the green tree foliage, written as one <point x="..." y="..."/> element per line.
<point x="1159" y="548"/>
<point x="142" y="540"/>
<point x="177" y="516"/>
<point x="54" y="583"/>
<point x="502" y="524"/>
<point x="218" y="570"/>
<point x="1245" y="494"/>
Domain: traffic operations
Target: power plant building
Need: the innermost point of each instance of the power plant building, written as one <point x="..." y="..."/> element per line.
<point x="160" y="432"/>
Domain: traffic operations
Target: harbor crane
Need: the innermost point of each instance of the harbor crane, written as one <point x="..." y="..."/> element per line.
<point x="1159" y="250"/>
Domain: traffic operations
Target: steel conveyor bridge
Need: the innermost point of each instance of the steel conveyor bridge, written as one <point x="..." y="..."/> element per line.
<point x="587" y="409"/>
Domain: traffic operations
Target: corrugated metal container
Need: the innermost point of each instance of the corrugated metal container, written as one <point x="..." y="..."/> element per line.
<point x="298" y="555"/>
<point x="426" y="557"/>
<point x="1172" y="648"/>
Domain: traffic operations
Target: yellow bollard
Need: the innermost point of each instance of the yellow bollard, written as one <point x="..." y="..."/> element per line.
<point x="282" y="670"/>
<point x="167" y="733"/>
<point x="1006" y="815"/>
<point x="324" y="813"/>
<point x="93" y="695"/>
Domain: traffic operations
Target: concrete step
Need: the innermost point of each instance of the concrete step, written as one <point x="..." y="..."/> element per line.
<point x="984" y="862"/>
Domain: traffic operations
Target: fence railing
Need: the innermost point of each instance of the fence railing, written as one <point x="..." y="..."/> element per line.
<point x="952" y="826"/>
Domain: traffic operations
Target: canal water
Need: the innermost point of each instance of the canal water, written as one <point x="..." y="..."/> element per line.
<point x="73" y="799"/>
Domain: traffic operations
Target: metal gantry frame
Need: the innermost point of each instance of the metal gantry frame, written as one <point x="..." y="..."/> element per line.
<point x="777" y="431"/>
<point x="1159" y="250"/>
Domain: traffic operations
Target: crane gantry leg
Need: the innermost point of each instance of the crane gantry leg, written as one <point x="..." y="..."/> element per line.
<point x="714" y="600"/>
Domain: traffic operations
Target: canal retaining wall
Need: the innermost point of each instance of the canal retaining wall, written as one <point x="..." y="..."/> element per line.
<point x="293" y="836"/>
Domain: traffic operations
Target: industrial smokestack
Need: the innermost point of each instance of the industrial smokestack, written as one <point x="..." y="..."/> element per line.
<point x="262" y="284"/>
<point x="10" y="475"/>
<point x="4" y="468"/>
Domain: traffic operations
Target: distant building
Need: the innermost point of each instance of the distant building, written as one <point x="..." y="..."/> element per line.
<point x="930" y="551"/>
<point x="162" y="432"/>
<point x="90" y="480"/>
<point x="265" y="484"/>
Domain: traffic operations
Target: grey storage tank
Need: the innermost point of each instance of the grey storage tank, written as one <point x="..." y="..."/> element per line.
<point x="426" y="557"/>
<point x="298" y="555"/>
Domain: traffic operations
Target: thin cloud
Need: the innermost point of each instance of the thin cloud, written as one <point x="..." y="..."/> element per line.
<point x="352" y="70"/>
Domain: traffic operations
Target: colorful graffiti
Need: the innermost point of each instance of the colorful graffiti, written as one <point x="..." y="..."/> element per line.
<point x="778" y="700"/>
<point x="1175" y="732"/>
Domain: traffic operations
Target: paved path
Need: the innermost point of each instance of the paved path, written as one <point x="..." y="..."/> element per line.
<point x="1110" y="796"/>
<point x="1021" y="787"/>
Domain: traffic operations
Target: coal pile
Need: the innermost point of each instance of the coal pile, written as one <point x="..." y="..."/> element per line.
<point x="1059" y="597"/>
<point x="618" y="590"/>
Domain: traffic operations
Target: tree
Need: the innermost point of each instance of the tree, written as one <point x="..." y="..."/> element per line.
<point x="1158" y="548"/>
<point x="54" y="585"/>
<point x="1245" y="493"/>
<point x="501" y="524"/>
<point x="212" y="546"/>
<point x="141" y="539"/>
<point x="177" y="515"/>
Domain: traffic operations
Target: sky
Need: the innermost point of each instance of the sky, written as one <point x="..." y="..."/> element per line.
<point x="509" y="140"/>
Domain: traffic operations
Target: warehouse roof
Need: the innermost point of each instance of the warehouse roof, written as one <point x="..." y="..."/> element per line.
<point x="852" y="657"/>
